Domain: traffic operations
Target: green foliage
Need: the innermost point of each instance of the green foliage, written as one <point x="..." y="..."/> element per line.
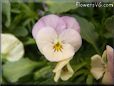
<point x="97" y="30"/>
<point x="55" y="6"/>
<point x="88" y="31"/>
<point x="43" y="72"/>
<point x="6" y="11"/>
<point x="109" y="26"/>
<point x="20" y="31"/>
<point x="89" y="79"/>
<point x="12" y="71"/>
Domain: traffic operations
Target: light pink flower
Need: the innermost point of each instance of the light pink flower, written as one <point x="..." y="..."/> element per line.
<point x="57" y="38"/>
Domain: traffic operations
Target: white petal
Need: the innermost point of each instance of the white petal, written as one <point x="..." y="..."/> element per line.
<point x="57" y="76"/>
<point x="68" y="74"/>
<point x="54" y="56"/>
<point x="72" y="37"/>
<point x="12" y="47"/>
<point x="7" y="41"/>
<point x="61" y="64"/>
<point x="17" y="50"/>
<point x="45" y="36"/>
<point x="97" y="66"/>
<point x="59" y="67"/>
<point x="104" y="57"/>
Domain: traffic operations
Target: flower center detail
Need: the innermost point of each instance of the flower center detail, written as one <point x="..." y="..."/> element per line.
<point x="65" y="69"/>
<point x="57" y="47"/>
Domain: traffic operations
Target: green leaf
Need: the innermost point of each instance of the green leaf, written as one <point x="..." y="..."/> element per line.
<point x="80" y="80"/>
<point x="55" y="6"/>
<point x="29" y="41"/>
<point x="6" y="8"/>
<point x="89" y="79"/>
<point x="108" y="35"/>
<point x="12" y="71"/>
<point x="27" y="11"/>
<point x="78" y="73"/>
<point x="85" y="11"/>
<point x="88" y="32"/>
<point x="109" y="24"/>
<point x="43" y="72"/>
<point x="20" y="31"/>
<point x="78" y="66"/>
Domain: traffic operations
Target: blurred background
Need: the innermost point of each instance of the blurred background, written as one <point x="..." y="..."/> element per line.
<point x="18" y="18"/>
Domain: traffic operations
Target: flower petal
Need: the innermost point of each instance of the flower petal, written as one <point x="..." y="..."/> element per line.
<point x="51" y="20"/>
<point x="12" y="47"/>
<point x="58" y="69"/>
<point x="97" y="66"/>
<point x="71" y="23"/>
<point x="55" y="56"/>
<point x="37" y="27"/>
<point x="61" y="64"/>
<point x="45" y="36"/>
<point x="16" y="53"/>
<point x="72" y="37"/>
<point x="110" y="57"/>
<point x="57" y="76"/>
<point x="65" y="75"/>
<point x="104" y="57"/>
<point x="107" y="78"/>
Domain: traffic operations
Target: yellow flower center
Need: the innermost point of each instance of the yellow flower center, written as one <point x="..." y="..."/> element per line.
<point x="57" y="47"/>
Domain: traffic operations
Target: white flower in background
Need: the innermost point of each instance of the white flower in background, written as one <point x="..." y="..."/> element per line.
<point x="63" y="70"/>
<point x="103" y="67"/>
<point x="11" y="48"/>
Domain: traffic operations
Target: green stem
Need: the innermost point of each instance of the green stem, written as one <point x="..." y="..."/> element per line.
<point x="96" y="49"/>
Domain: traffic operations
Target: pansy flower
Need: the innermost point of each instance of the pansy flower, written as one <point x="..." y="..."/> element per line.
<point x="102" y="67"/>
<point x="58" y="38"/>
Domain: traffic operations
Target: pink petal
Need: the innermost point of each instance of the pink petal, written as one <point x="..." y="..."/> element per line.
<point x="37" y="27"/>
<point x="110" y="57"/>
<point x="51" y="20"/>
<point x="71" y="23"/>
<point x="107" y="78"/>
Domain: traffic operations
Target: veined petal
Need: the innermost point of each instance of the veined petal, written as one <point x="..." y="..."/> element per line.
<point x="45" y="36"/>
<point x="65" y="75"/>
<point x="71" y="23"/>
<point x="107" y="78"/>
<point x="97" y="66"/>
<point x="11" y="47"/>
<point x="72" y="37"/>
<point x="55" y="56"/>
<point x="110" y="57"/>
